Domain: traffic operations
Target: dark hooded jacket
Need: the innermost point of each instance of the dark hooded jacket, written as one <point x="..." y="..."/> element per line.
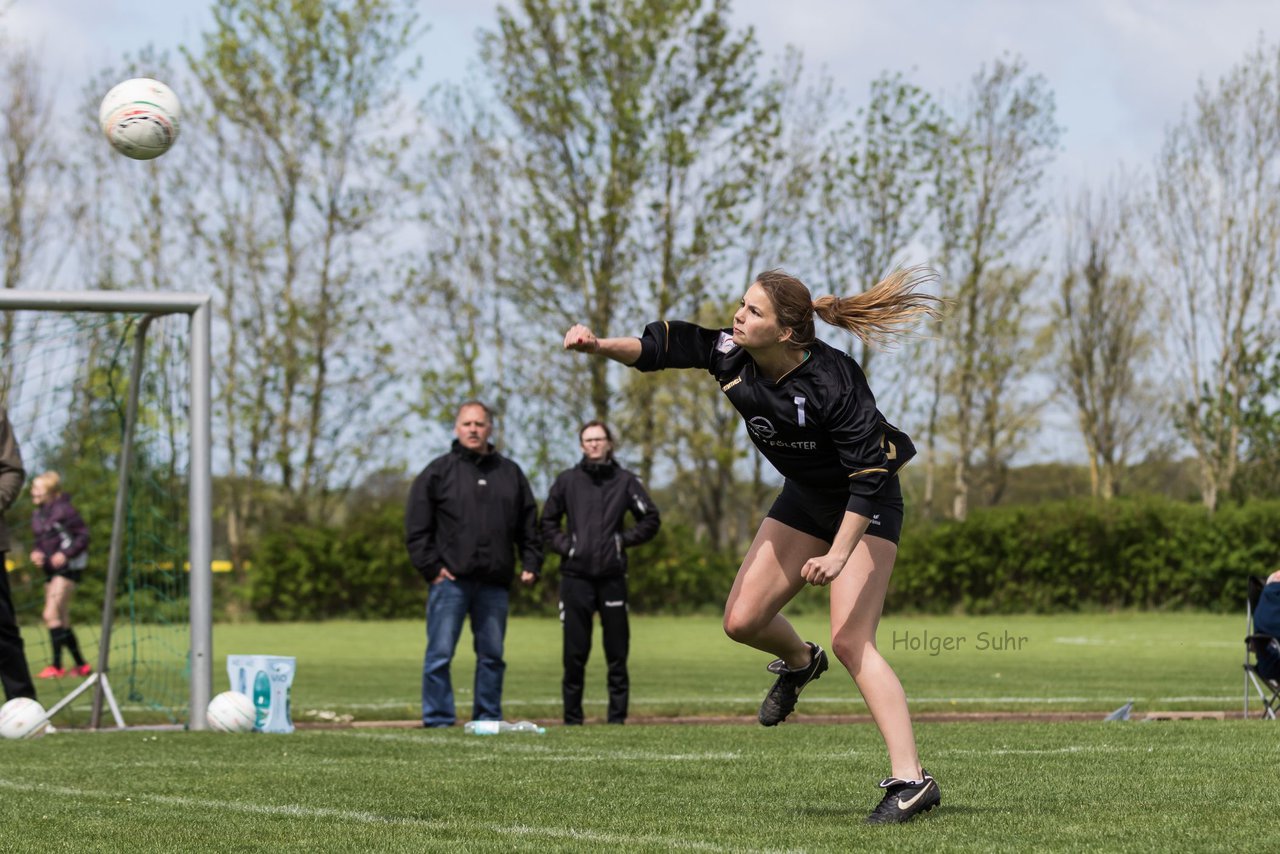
<point x="470" y="513"/>
<point x="596" y="498"/>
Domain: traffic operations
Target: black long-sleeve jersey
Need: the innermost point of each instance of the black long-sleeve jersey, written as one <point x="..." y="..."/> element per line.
<point x="818" y="424"/>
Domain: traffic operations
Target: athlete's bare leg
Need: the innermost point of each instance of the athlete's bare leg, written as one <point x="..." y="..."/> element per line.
<point x="857" y="598"/>
<point x="768" y="579"/>
<point x="57" y="601"/>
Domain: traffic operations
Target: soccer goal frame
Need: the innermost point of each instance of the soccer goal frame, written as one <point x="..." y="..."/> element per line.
<point x="198" y="308"/>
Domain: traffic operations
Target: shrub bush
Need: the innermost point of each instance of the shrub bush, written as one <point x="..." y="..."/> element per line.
<point x="1063" y="556"/>
<point x="1082" y="554"/>
<point x="357" y="571"/>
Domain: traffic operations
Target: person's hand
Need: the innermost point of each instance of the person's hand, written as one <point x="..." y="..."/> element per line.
<point x="821" y="571"/>
<point x="581" y="338"/>
<point x="59" y="560"/>
<point x="444" y="575"/>
<point x="527" y="578"/>
<point x="37" y="557"/>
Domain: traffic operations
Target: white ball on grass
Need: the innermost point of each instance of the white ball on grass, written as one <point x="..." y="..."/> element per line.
<point x="22" y="717"/>
<point x="231" y="711"/>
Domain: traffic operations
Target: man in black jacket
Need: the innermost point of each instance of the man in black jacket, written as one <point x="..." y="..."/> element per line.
<point x="596" y="496"/>
<point x="14" y="672"/>
<point x="469" y="511"/>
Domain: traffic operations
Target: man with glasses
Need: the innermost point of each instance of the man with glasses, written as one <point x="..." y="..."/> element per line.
<point x="595" y="497"/>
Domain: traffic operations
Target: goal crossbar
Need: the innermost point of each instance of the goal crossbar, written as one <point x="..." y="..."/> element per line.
<point x="200" y="531"/>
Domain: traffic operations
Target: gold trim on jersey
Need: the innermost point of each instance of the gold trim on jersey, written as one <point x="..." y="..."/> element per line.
<point x="890" y="449"/>
<point x="731" y="383"/>
<point x="868" y="471"/>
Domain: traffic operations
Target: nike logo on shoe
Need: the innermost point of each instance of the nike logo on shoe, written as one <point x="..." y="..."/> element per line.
<point x="910" y="802"/>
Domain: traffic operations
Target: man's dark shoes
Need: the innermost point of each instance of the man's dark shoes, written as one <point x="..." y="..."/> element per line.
<point x="902" y="800"/>
<point x="781" y="699"/>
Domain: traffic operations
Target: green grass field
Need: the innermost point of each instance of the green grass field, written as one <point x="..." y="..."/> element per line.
<point x="1012" y="786"/>
<point x="1202" y="785"/>
<point x="686" y="666"/>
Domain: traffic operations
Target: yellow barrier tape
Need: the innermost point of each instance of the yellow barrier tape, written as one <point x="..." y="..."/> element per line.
<point x="216" y="566"/>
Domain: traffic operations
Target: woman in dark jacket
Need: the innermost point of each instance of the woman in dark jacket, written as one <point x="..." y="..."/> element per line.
<point x="596" y="495"/>
<point x="62" y="551"/>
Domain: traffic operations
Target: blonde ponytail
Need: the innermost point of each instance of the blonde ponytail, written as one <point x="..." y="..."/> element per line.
<point x="887" y="310"/>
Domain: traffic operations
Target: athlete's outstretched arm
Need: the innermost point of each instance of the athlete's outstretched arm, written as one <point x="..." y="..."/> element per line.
<point x="582" y="339"/>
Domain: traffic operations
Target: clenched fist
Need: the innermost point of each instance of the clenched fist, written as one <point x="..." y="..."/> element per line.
<point x="581" y="338"/>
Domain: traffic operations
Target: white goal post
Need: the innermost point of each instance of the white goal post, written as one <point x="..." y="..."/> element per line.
<point x="200" y="532"/>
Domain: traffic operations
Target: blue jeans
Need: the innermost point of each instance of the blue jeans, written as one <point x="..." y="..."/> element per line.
<point x="448" y="603"/>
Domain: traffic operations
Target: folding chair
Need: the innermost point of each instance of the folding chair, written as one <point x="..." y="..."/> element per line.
<point x="1255" y="645"/>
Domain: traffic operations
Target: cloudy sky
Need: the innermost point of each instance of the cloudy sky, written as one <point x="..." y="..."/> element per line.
<point x="1121" y="70"/>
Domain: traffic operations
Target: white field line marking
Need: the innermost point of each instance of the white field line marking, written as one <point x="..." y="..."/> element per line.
<point x="1048" y="751"/>
<point x="558" y="752"/>
<point x="362" y="817"/>
<point x="1087" y="641"/>
<point x="702" y="701"/>
<point x="1044" y="700"/>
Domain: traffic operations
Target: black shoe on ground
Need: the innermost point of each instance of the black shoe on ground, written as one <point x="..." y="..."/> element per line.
<point x="781" y="699"/>
<point x="903" y="801"/>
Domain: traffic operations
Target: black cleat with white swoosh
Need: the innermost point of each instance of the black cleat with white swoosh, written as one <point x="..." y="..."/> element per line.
<point x="903" y="801"/>
<point x="781" y="699"/>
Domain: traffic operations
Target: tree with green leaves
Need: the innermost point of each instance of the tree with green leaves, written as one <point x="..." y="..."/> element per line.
<point x="988" y="204"/>
<point x="1215" y="220"/>
<point x="464" y="199"/>
<point x="303" y="134"/>
<point x="31" y="169"/>
<point x="873" y="178"/>
<point x="1101" y="323"/>
<point x="619" y="121"/>
<point x="1259" y="475"/>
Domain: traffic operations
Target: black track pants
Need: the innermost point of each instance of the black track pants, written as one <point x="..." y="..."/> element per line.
<point x="579" y="599"/>
<point x="13" y="660"/>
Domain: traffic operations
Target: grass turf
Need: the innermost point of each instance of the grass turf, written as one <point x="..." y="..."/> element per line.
<point x="686" y="666"/>
<point x="1006" y="787"/>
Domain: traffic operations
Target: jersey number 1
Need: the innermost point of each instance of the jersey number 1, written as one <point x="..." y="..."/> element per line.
<point x="800" y="411"/>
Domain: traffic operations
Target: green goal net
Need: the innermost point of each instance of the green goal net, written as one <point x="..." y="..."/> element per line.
<point x="66" y="379"/>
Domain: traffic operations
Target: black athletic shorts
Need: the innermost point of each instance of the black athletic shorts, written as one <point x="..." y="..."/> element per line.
<point x="72" y="575"/>
<point x="819" y="511"/>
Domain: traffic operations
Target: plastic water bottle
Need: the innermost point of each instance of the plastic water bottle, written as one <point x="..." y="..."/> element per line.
<point x="483" y="727"/>
<point x="261" y="699"/>
<point x="525" y="726"/>
<point x="499" y="727"/>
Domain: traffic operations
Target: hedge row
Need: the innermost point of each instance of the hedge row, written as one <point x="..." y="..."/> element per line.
<point x="1083" y="555"/>
<point x="1063" y="556"/>
<point x="361" y="571"/>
